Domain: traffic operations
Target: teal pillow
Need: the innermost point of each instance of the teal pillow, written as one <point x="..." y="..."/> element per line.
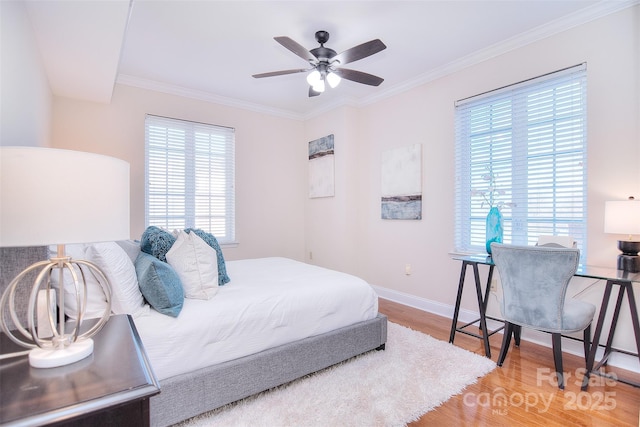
<point x="159" y="284"/>
<point x="213" y="242"/>
<point x="156" y="242"/>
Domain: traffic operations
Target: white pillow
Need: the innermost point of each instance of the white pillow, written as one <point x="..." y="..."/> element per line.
<point x="116" y="265"/>
<point x="96" y="300"/>
<point x="196" y="264"/>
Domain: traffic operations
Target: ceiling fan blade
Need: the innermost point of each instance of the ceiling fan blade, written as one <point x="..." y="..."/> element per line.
<point x="313" y="92"/>
<point x="296" y="48"/>
<point x="361" y="51"/>
<point x="359" y="76"/>
<point x="281" y="73"/>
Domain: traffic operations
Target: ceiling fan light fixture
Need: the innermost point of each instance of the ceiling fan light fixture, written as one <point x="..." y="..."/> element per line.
<point x="333" y="79"/>
<point x="318" y="86"/>
<point x="314" y="77"/>
<point x="325" y="61"/>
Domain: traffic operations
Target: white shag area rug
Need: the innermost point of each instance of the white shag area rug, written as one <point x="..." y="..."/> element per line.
<point x="415" y="374"/>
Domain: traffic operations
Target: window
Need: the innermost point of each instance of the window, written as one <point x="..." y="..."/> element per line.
<point x="189" y="176"/>
<point x="529" y="141"/>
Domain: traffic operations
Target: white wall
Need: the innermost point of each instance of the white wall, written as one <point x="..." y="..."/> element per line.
<point x="611" y="48"/>
<point x="331" y="223"/>
<point x="425" y="115"/>
<point x="25" y="96"/>
<point x="270" y="184"/>
<point x="345" y="232"/>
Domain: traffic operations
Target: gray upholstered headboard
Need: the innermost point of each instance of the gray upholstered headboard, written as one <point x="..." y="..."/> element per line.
<point x="12" y="262"/>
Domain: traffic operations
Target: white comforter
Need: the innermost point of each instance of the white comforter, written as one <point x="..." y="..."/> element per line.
<point x="269" y="302"/>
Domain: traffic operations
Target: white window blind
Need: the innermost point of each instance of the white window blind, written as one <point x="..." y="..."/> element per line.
<point x="189" y="176"/>
<point x="529" y="141"/>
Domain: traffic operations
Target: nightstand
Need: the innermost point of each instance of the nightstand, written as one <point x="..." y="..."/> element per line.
<point x="110" y="387"/>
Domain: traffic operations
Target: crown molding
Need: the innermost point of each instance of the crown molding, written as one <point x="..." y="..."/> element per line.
<point x="584" y="16"/>
<point x="200" y="95"/>
<point x="588" y="14"/>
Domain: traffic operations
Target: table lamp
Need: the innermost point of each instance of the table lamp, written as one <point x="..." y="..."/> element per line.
<point x="623" y="217"/>
<point x="57" y="197"/>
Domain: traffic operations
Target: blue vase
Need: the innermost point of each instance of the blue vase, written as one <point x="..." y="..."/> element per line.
<point x="494" y="228"/>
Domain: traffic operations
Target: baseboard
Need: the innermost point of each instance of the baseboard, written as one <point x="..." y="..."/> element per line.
<point x="620" y="360"/>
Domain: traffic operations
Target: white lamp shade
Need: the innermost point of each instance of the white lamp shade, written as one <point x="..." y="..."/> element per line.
<point x="314" y="77"/>
<point x="51" y="196"/>
<point x="333" y="79"/>
<point x="622" y="217"/>
<point x="319" y="86"/>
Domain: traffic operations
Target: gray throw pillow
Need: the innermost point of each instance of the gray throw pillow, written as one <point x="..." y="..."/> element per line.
<point x="131" y="247"/>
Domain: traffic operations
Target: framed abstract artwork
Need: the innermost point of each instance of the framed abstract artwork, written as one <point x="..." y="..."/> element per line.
<point x="321" y="167"/>
<point x="401" y="193"/>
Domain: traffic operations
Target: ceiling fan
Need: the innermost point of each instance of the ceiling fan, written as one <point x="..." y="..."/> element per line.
<point x="326" y="64"/>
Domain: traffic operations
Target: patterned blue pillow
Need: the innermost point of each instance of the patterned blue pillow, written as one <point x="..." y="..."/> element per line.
<point x="160" y="284"/>
<point x="213" y="242"/>
<point x="156" y="242"/>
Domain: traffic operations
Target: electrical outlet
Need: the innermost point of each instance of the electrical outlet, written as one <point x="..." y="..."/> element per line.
<point x="310" y="255"/>
<point x="494" y="285"/>
<point x="407" y="269"/>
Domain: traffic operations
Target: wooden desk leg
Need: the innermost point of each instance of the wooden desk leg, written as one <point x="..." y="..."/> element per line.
<point x="456" y="311"/>
<point x="614" y="325"/>
<point x="481" y="308"/>
<point x="634" y="316"/>
<point x="596" y="335"/>
<point x="487" y="288"/>
<point x="624" y="287"/>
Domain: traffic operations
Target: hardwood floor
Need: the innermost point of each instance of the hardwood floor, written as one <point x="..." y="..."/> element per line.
<point x="523" y="391"/>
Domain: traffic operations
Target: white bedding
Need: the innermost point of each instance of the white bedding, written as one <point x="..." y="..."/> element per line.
<point x="269" y="302"/>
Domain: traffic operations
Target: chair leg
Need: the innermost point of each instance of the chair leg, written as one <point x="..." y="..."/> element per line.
<point x="517" y="331"/>
<point x="506" y="341"/>
<point x="557" y="358"/>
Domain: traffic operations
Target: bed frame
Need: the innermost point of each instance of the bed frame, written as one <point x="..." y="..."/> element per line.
<point x="191" y="394"/>
<point x="187" y="395"/>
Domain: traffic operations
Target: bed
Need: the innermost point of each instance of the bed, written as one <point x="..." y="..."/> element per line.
<point x="275" y="321"/>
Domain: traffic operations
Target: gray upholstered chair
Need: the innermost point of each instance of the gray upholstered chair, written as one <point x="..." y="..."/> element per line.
<point x="534" y="285"/>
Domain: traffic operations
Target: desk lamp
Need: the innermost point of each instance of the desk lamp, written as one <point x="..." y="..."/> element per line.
<point x="623" y="217"/>
<point x="57" y="197"/>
